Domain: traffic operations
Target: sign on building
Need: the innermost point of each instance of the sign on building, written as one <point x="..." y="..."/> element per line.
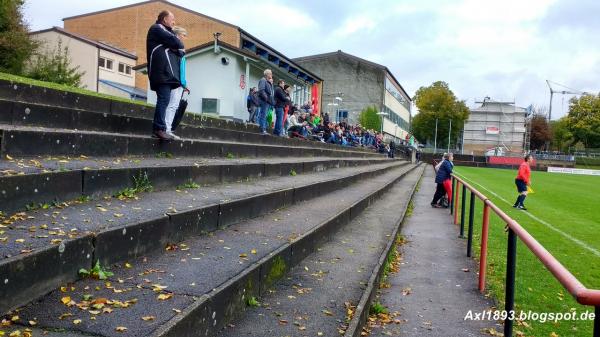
<point x="492" y="130"/>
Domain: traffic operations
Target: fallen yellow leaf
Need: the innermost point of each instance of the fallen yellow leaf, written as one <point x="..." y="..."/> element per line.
<point x="121" y="329"/>
<point x="163" y="297"/>
<point x="148" y="318"/>
<point x="66" y="300"/>
<point x="76" y="321"/>
<point x="9" y="157"/>
<point x="253" y="251"/>
<point x="127" y="265"/>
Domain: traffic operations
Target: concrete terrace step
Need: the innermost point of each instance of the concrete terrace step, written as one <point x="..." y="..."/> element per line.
<point x="73" y="178"/>
<point x="31" y="94"/>
<point x="44" y="248"/>
<point x="314" y="298"/>
<point x="39" y="141"/>
<point x="30" y="114"/>
<point x="208" y="278"/>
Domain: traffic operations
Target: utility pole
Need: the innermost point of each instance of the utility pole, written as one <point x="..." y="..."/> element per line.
<point x="449" y="131"/>
<point x="435" y="138"/>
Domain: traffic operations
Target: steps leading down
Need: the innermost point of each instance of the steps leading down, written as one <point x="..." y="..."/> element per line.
<point x="328" y="293"/>
<point x="192" y="229"/>
<point x="197" y="286"/>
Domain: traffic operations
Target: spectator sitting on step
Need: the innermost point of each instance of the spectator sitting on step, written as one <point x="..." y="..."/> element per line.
<point x="297" y="128"/>
<point x="177" y="58"/>
<point x="160" y="38"/>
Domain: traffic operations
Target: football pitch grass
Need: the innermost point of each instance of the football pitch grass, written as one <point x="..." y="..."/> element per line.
<point x="564" y="216"/>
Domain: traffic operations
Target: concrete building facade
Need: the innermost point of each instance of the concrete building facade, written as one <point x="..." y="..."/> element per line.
<point x="360" y="84"/>
<point x="107" y="69"/>
<point x="500" y="125"/>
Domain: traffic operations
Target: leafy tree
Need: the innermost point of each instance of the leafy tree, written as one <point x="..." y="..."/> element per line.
<point x="540" y="132"/>
<point x="437" y="101"/>
<point x="583" y="120"/>
<point x="369" y="118"/>
<point x="55" y="66"/>
<point x="561" y="136"/>
<point x="15" y="44"/>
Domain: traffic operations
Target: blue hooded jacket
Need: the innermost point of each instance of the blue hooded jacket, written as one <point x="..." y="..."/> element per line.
<point x="444" y="171"/>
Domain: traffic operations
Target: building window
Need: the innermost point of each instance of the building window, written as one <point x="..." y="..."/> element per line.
<point x="124" y="69"/>
<point x="210" y="105"/>
<point x="105" y="63"/>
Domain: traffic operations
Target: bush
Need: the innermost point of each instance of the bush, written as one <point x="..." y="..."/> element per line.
<point x="55" y="66"/>
<point x="15" y="44"/>
<point x="369" y="119"/>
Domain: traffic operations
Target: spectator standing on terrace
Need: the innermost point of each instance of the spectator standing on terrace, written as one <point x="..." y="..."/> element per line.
<point x="177" y="59"/>
<point x="280" y="103"/>
<point x="252" y="104"/>
<point x="160" y="38"/>
<point x="443" y="173"/>
<point x="288" y="104"/>
<point x="522" y="181"/>
<point x="265" y="98"/>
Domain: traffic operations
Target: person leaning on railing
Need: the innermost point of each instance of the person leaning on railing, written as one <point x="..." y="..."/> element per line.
<point x="444" y="173"/>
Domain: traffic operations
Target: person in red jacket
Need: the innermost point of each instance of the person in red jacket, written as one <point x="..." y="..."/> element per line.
<point x="523" y="180"/>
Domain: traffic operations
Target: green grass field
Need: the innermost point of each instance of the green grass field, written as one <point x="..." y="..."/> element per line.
<point x="563" y="215"/>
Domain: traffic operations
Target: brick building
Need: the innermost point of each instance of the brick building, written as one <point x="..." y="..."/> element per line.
<point x="127" y="27"/>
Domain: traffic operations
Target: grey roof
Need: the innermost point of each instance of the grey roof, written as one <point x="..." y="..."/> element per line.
<point x="84" y="39"/>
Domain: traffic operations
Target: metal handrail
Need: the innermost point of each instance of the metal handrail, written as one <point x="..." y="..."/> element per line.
<point x="583" y="295"/>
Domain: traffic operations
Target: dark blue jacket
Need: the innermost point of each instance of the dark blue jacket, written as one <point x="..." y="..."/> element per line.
<point x="444" y="171"/>
<point x="265" y="91"/>
<point x="161" y="69"/>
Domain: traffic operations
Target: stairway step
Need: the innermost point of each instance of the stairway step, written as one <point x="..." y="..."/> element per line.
<point x="26" y="93"/>
<point x="211" y="276"/>
<point x="24" y="141"/>
<point x="32" y="115"/>
<point x="314" y="298"/>
<point x="98" y="177"/>
<point x="37" y="257"/>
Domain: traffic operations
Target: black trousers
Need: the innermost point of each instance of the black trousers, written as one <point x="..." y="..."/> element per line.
<point x="439" y="193"/>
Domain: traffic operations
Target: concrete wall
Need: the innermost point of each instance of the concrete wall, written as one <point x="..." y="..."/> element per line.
<point x="114" y="75"/>
<point x="127" y="28"/>
<point x="82" y="54"/>
<point x="362" y="84"/>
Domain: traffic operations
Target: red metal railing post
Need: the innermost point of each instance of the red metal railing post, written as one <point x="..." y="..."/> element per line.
<point x="484" y="246"/>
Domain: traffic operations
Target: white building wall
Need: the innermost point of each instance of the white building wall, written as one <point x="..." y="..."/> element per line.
<point x="114" y="75"/>
<point x="81" y="54"/>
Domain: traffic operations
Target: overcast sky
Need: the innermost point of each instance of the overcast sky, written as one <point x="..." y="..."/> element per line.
<point x="502" y="49"/>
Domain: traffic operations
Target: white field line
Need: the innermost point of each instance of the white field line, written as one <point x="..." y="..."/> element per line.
<point x="549" y="225"/>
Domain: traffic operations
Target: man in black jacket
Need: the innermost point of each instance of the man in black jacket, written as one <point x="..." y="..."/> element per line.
<point x="280" y="102"/>
<point x="161" y="71"/>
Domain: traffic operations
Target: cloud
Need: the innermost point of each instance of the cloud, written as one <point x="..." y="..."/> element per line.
<point x="502" y="49"/>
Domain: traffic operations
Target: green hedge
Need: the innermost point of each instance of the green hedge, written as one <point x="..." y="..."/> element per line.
<point x="588" y="161"/>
